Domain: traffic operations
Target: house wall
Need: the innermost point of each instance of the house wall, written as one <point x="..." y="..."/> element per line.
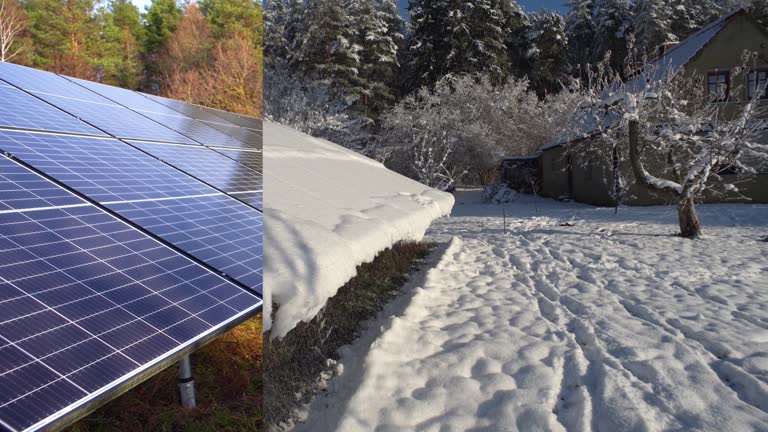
<point x="725" y="50"/>
<point x="553" y="166"/>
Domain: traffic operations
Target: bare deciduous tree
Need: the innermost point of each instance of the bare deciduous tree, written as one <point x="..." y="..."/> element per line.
<point x="13" y="21"/>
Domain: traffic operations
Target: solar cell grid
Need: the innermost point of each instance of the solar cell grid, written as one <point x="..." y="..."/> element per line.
<point x="207" y="165"/>
<point x="106" y="170"/>
<point x="251" y="139"/>
<point x="87" y="302"/>
<point x="218" y="230"/>
<point x="196" y="130"/>
<point x="254" y="199"/>
<point x="38" y="81"/>
<point x="117" y="120"/>
<point x="252" y="159"/>
<point x="238" y="119"/>
<point x="21" y="189"/>
<point x="189" y="110"/>
<point x="20" y="110"/>
<point x="124" y="97"/>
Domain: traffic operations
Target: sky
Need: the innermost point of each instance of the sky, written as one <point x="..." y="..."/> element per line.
<point x="529" y="5"/>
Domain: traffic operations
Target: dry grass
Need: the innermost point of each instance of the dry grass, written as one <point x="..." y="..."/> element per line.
<point x="228" y="381"/>
<point x="293" y="364"/>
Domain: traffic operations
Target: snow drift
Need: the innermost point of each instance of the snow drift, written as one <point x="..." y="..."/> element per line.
<point x="329" y="210"/>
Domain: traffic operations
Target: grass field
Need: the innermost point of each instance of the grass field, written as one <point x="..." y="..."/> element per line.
<point x="228" y="382"/>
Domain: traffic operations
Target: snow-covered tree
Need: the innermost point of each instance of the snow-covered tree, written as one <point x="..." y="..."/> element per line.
<point x="663" y="123"/>
<point x="454" y="37"/>
<point x="653" y="24"/>
<point x="313" y="109"/>
<point x="580" y="30"/>
<point x="613" y="27"/>
<point x="326" y="52"/>
<point x="458" y="132"/>
<point x="547" y="53"/>
<point x="379" y="35"/>
<point x="276" y="44"/>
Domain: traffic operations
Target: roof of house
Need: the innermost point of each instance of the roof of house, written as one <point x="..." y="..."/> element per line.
<point x="670" y="63"/>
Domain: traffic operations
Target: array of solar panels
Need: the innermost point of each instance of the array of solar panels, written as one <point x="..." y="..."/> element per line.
<point x="130" y="232"/>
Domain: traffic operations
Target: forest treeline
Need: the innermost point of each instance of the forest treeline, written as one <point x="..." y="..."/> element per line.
<point x="356" y="72"/>
<point x="207" y="52"/>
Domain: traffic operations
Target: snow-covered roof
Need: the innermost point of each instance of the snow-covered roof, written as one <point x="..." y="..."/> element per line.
<point x="670" y="63"/>
<point x="328" y="210"/>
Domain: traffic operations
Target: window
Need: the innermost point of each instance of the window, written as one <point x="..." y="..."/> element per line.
<point x="718" y="86"/>
<point x="756" y="80"/>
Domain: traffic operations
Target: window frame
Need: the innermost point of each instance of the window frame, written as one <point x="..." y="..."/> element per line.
<point x="756" y="72"/>
<point x="717" y="74"/>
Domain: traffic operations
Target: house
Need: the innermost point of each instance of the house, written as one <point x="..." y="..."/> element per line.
<point x="715" y="50"/>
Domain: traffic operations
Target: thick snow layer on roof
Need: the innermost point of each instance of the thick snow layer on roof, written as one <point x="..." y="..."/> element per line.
<point x="329" y="209"/>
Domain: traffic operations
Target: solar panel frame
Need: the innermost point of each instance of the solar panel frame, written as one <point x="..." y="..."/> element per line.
<point x="19" y="227"/>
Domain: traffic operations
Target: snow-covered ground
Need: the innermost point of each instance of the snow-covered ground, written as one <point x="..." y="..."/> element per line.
<point x="575" y="319"/>
<point x="329" y="210"/>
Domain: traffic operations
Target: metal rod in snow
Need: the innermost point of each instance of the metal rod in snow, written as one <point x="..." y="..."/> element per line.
<point x="504" y="212"/>
<point x="186" y="383"/>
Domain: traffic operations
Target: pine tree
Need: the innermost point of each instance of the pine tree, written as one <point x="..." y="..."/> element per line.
<point x="613" y="27"/>
<point x="276" y="45"/>
<point x="379" y="34"/>
<point x="326" y="52"/>
<point x="580" y="29"/>
<point x="119" y="59"/>
<point x="457" y="37"/>
<point x="653" y="25"/>
<point x="547" y="53"/>
<point x="65" y="36"/>
<point x="231" y="17"/>
<point x="516" y="27"/>
<point x="160" y="22"/>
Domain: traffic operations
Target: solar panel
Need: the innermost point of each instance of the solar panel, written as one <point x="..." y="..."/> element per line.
<point x="215" y="229"/>
<point x="254" y="199"/>
<point x="207" y="165"/>
<point x="37" y="81"/>
<point x="87" y="105"/>
<point x="22" y="111"/>
<point x="111" y="173"/>
<point x="251" y="138"/>
<point x="252" y="159"/>
<point x="249" y="122"/>
<point x="88" y="305"/>
<point x="200" y="132"/>
<point x="105" y="169"/>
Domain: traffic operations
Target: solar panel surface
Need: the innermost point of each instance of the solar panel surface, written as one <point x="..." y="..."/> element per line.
<point x="111" y="172"/>
<point x="200" y="132"/>
<point x="209" y="166"/>
<point x="22" y="111"/>
<point x="87" y="303"/>
<point x="87" y="105"/>
<point x="252" y="159"/>
<point x="238" y="119"/>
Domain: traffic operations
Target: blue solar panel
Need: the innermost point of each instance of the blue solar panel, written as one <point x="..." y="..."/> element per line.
<point x="252" y="159"/>
<point x="22" y="111"/>
<point x="87" y="105"/>
<point x="209" y="166"/>
<point x="254" y="199"/>
<point x="37" y="81"/>
<point x="250" y="138"/>
<point x="22" y="189"/>
<point x="162" y="114"/>
<point x="88" y="303"/>
<point x="251" y="123"/>
<point x="196" y="130"/>
<point x="109" y="171"/>
<point x="104" y="169"/>
<point x="218" y="230"/>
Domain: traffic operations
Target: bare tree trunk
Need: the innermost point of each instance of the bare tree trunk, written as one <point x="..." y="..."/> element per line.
<point x="690" y="227"/>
